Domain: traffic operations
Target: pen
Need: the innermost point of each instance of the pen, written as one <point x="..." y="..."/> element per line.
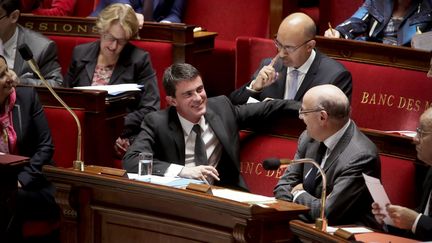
<point x="121" y="147"/>
<point x="205" y="181"/>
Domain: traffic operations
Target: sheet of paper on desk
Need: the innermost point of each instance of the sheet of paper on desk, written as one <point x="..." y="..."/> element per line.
<point x="353" y="230"/>
<point x="379" y="195"/>
<point x="242" y="196"/>
<point x="114" y="89"/>
<point x="163" y="180"/>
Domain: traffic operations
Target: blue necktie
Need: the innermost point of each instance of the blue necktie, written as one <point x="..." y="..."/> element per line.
<point x="293" y="83"/>
<point x="200" y="150"/>
<point x="309" y="183"/>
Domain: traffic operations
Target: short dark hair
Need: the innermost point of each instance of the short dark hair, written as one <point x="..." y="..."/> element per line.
<point x="10" y="5"/>
<point x="176" y="73"/>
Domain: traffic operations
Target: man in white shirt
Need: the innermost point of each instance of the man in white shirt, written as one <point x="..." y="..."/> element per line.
<point x="296" y="68"/>
<point x="44" y="50"/>
<point x="170" y="134"/>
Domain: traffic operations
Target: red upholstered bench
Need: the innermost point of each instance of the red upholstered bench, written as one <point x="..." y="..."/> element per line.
<point x="229" y="18"/>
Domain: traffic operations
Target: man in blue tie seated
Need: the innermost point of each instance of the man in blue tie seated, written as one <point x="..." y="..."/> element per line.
<point x="296" y="68"/>
<point x="197" y="137"/>
<point x="333" y="140"/>
<point x="414" y="223"/>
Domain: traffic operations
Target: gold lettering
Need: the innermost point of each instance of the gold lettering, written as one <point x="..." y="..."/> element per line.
<point x="82" y="28"/>
<point x="67" y="28"/>
<point x="95" y="30"/>
<point x="29" y="25"/>
<point x="280" y="172"/>
<point x="417" y="105"/>
<point x="382" y="99"/>
<point x="364" y="98"/>
<point x="402" y="102"/>
<point x="270" y="173"/>
<point x="55" y="27"/>
<point x="390" y="100"/>
<point x="249" y="168"/>
<point x="43" y="26"/>
<point x="410" y="104"/>
<point x="258" y="169"/>
<point x="372" y="101"/>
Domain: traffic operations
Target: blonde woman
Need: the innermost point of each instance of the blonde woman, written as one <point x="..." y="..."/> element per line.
<point x="113" y="60"/>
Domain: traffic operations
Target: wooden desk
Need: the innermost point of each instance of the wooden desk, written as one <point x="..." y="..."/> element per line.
<point x="103" y="120"/>
<point x="10" y="165"/>
<point x="102" y="208"/>
<point x="375" y="53"/>
<point x="185" y="42"/>
<point x="308" y="233"/>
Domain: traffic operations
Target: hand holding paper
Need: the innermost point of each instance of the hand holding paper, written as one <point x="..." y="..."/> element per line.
<point x="379" y="196"/>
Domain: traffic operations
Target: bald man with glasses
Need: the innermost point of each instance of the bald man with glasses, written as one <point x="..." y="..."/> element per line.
<point x="333" y="140"/>
<point x="296" y="68"/>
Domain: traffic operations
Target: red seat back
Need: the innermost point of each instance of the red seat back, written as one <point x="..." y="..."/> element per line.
<point x="249" y="53"/>
<point x="230" y="18"/>
<point x="64" y="134"/>
<point x="388" y="98"/>
<point x="398" y="179"/>
<point x="336" y="11"/>
<point x="254" y="149"/>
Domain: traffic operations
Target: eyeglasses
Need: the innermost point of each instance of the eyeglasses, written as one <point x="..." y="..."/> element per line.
<point x="288" y="49"/>
<point x="109" y="38"/>
<point x="4" y="16"/>
<point x="302" y="112"/>
<point x="421" y="133"/>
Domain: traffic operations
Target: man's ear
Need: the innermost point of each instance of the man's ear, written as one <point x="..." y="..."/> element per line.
<point x="14" y="16"/>
<point x="170" y="100"/>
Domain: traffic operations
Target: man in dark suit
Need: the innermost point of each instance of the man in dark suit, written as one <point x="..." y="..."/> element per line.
<point x="414" y="223"/>
<point x="343" y="151"/>
<point x="44" y="50"/>
<point x="296" y="68"/>
<point x="173" y="134"/>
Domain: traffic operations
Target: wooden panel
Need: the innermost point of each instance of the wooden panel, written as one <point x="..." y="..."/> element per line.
<point x="107" y="206"/>
<point x="185" y="41"/>
<point x="375" y="53"/>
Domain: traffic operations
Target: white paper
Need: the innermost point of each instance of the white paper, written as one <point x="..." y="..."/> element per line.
<point x="114" y="89"/>
<point x="353" y="230"/>
<point x="252" y="100"/>
<point x="422" y="41"/>
<point x="242" y="196"/>
<point x="379" y="195"/>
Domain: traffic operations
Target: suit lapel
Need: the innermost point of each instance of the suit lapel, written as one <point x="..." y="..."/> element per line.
<point x="220" y="131"/>
<point x="90" y="61"/>
<point x="122" y="63"/>
<point x="309" y="78"/>
<point x="17" y="121"/>
<point x="177" y="133"/>
<point x="340" y="147"/>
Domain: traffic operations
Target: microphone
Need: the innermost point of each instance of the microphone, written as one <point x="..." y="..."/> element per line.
<point x="275" y="163"/>
<point x="27" y="55"/>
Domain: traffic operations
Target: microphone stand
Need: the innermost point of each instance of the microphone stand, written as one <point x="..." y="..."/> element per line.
<point x="78" y="164"/>
<point x="321" y="222"/>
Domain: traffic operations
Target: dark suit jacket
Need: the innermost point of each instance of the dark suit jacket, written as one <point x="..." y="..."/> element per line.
<point x="348" y="199"/>
<point x="33" y="136"/>
<point x="323" y="70"/>
<point x="424" y="225"/>
<point x="162" y="135"/>
<point x="133" y="66"/>
<point x="35" y="200"/>
<point x="169" y="10"/>
<point x="44" y="53"/>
